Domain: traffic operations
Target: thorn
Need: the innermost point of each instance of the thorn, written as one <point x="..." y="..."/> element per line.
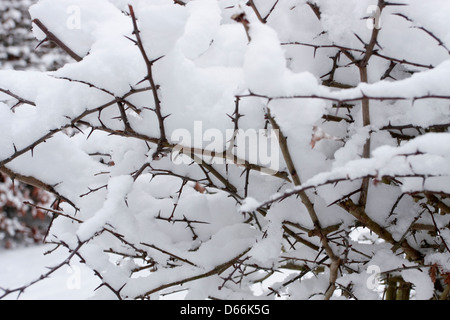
<point x="56" y="184"/>
<point x="132" y="40"/>
<point x="358" y="37"/>
<point x="13" y="185"/>
<point x="155" y="60"/>
<point x="385" y="4"/>
<point x="41" y="43"/>
<point x="89" y="135"/>
<point x="145" y="79"/>
<point x="74" y="126"/>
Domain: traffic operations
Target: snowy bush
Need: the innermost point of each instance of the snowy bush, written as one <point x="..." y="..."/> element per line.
<point x="229" y="149"/>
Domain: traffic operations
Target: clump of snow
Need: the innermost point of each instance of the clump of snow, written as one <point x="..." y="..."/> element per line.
<point x="249" y="205"/>
<point x="91" y="132"/>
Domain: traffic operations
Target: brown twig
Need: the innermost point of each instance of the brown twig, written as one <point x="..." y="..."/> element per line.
<point x="431" y="34"/>
<point x="360" y="214"/>
<point x="52" y="270"/>
<point x="308" y="204"/>
<point x="169" y="253"/>
<point x="52" y="37"/>
<point x="19" y="99"/>
<point x="214" y="271"/>
<point x="59" y="213"/>
<point x="255" y="9"/>
<point x="149" y="64"/>
<point x="32" y="181"/>
<point x="341" y="101"/>
<point x="438" y="232"/>
<point x="360" y="51"/>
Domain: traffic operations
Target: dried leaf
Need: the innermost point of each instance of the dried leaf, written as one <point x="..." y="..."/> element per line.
<point x="319" y="134"/>
<point x="447" y="278"/>
<point x="199" y="188"/>
<point x="433" y="272"/>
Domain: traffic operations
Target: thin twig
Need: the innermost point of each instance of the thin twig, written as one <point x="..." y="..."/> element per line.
<point x="169" y="253"/>
<point x="214" y="271"/>
<point x="21" y="289"/>
<point x="19" y="99"/>
<point x="52" y="37"/>
<point x="308" y="204"/>
<point x="149" y="64"/>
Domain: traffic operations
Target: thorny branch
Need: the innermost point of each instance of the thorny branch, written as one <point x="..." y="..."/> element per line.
<point x="331" y="238"/>
<point x="431" y="34"/>
<point x="214" y="271"/>
<point x="149" y="63"/>
<point x="341" y="101"/>
<point x="362" y="66"/>
<point x="360" y="51"/>
<point x="20" y="290"/>
<point x="309" y="206"/>
<point x="262" y="19"/>
<point x="52" y="37"/>
<point x="20" y="100"/>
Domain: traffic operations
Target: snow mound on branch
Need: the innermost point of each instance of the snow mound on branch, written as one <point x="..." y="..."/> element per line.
<point x="79" y="23"/>
<point x="423" y="157"/>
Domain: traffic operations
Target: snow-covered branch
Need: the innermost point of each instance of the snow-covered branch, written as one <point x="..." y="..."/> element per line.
<point x="211" y="148"/>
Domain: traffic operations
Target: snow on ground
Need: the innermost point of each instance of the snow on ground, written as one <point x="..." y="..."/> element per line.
<point x="21" y="266"/>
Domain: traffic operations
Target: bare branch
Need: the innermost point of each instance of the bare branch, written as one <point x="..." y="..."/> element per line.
<point x="439" y="41"/>
<point x="19" y="99"/>
<point x="360" y="51"/>
<point x="35" y="183"/>
<point x="168" y="253"/>
<point x="22" y="289"/>
<point x="308" y="204"/>
<point x="255" y="9"/>
<point x="149" y="77"/>
<point x="215" y="271"/>
<point x="56" y="40"/>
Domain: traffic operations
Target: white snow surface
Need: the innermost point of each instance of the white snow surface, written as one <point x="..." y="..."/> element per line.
<point x="184" y="221"/>
<point x="21" y="266"/>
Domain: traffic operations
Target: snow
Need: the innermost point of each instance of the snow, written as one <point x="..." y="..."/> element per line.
<point x="201" y="27"/>
<point x="20" y="266"/>
<point x="146" y="221"/>
<point x="424" y="287"/>
<point x="249" y="205"/>
<point x="403" y="160"/>
<point x="79" y="36"/>
<point x="162" y="26"/>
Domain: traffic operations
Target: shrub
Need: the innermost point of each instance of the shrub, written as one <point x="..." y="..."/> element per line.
<point x="209" y="147"/>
